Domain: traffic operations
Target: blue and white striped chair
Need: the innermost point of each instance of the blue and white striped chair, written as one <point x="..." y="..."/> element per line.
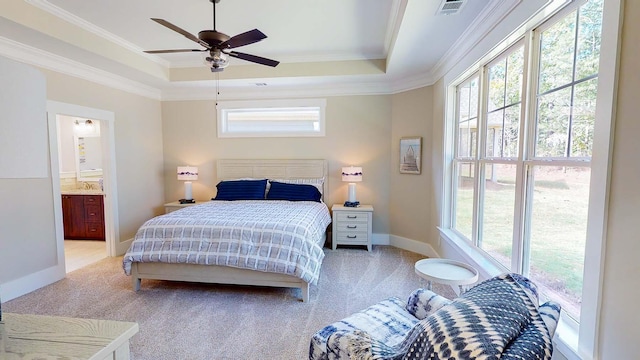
<point x="498" y="317"/>
<point x="388" y="322"/>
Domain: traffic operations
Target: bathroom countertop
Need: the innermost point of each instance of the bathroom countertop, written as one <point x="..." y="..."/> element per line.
<point x="82" y="192"/>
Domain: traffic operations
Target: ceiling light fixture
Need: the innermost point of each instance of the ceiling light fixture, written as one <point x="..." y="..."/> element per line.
<point x="86" y="125"/>
<point x="217" y="61"/>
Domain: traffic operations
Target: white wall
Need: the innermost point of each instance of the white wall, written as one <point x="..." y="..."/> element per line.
<point x="27" y="238"/>
<point x="23" y="129"/>
<point x="66" y="151"/>
<point x="357" y="133"/>
<point x="138" y="146"/>
<point x="619" y="325"/>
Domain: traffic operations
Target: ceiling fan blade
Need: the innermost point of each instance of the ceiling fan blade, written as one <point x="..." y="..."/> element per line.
<point x="172" y="51"/>
<point x="181" y="31"/>
<point x="253" y="58"/>
<point x="243" y="39"/>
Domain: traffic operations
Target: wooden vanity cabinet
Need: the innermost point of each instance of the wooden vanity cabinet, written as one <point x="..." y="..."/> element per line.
<point x="83" y="217"/>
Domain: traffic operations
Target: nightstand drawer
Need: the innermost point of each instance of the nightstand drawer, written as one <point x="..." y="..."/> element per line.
<point x="352" y="227"/>
<point x="352" y="237"/>
<point x="352" y="216"/>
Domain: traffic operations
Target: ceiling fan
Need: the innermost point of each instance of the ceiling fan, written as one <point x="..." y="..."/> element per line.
<point x="218" y="45"/>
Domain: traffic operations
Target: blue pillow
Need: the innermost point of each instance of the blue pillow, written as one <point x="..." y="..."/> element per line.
<point x="241" y="190"/>
<point x="293" y="192"/>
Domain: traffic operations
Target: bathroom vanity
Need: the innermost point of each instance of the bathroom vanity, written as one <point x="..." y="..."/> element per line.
<point x="83" y="215"/>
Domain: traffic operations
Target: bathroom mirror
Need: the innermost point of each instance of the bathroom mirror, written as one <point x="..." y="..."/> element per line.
<point x="88" y="151"/>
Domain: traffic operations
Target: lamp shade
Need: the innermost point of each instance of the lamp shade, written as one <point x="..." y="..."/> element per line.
<point x="187" y="173"/>
<point x="352" y="174"/>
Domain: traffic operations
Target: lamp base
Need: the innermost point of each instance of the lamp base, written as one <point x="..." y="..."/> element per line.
<point x="187" y="201"/>
<point x="352" y="203"/>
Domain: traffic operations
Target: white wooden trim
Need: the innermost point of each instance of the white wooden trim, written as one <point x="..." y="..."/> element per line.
<point x="415" y="246"/>
<point x="599" y="191"/>
<point x="31" y="282"/>
<point x="107" y="119"/>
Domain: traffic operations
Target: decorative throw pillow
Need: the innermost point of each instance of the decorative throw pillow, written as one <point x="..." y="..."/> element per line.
<point x="317" y="182"/>
<point x="477" y="325"/>
<point x="423" y="303"/>
<point x="293" y="192"/>
<point x="241" y="190"/>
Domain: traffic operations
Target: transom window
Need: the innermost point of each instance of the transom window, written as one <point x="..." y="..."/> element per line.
<point x="271" y="118"/>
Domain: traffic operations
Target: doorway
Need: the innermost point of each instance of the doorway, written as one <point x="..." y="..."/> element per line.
<point x="104" y="120"/>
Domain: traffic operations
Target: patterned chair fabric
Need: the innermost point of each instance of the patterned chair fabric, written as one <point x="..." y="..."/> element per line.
<point x="498" y="318"/>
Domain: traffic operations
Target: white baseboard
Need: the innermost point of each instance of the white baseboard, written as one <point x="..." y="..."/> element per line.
<point x="122" y="247"/>
<point x="24" y="285"/>
<point x="400" y="242"/>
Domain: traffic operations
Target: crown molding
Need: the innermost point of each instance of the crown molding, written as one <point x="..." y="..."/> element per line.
<point x="81" y="23"/>
<point x="287" y="59"/>
<point x="37" y="57"/>
<point x="207" y="91"/>
<point x="398" y="7"/>
<point x="412" y="82"/>
<point x="481" y="26"/>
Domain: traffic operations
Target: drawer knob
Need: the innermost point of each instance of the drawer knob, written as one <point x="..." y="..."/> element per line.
<point x="352" y="216"/>
<point x="351" y="226"/>
<point x="352" y="236"/>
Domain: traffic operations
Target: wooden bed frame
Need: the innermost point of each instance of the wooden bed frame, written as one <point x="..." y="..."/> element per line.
<point x="235" y="169"/>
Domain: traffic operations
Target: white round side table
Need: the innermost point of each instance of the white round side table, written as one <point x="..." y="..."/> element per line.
<point x="448" y="272"/>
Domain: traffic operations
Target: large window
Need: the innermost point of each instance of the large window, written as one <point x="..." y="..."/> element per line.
<point x="522" y="154"/>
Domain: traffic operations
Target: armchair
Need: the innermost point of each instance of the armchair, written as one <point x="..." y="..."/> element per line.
<point x="498" y="318"/>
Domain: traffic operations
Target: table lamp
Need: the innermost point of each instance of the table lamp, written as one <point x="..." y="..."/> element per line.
<point x="352" y="174"/>
<point x="187" y="173"/>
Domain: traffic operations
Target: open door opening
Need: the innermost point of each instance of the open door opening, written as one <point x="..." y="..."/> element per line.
<point x="82" y="150"/>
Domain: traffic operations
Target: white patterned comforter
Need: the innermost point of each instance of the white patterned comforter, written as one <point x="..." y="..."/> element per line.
<point x="273" y="236"/>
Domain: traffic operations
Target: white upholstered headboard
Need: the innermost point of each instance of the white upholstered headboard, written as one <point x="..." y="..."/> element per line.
<point x="273" y="169"/>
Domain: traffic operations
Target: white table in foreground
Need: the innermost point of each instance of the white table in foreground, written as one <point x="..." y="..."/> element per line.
<point x="54" y="337"/>
<point x="445" y="271"/>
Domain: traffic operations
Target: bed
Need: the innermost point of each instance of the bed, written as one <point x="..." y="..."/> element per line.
<point x="238" y="242"/>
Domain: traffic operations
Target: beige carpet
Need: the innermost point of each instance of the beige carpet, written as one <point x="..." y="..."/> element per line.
<point x="199" y="321"/>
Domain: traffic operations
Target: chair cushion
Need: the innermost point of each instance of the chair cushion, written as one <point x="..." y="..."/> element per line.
<point x="423" y="303"/>
<point x="386" y="321"/>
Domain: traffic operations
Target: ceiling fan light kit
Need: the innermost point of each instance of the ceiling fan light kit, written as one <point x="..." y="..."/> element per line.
<point x="217" y="60"/>
<point x="218" y="44"/>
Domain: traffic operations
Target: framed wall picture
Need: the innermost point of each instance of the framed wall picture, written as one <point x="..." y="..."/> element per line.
<point x="411" y="155"/>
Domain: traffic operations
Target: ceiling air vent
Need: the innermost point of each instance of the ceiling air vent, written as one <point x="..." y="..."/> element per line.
<point x="450" y="7"/>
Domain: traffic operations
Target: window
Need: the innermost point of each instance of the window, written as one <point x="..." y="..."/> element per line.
<point x="271" y="118"/>
<point x="521" y="166"/>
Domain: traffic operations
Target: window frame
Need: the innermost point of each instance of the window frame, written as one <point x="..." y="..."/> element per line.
<point x="225" y="107"/>
<point x="572" y="339"/>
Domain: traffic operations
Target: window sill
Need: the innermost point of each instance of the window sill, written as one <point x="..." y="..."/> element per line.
<point x="486" y="267"/>
<point x="565" y="339"/>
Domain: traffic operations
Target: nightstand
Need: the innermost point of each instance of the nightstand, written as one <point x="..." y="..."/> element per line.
<point x="351" y="225"/>
<point x="173" y="206"/>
